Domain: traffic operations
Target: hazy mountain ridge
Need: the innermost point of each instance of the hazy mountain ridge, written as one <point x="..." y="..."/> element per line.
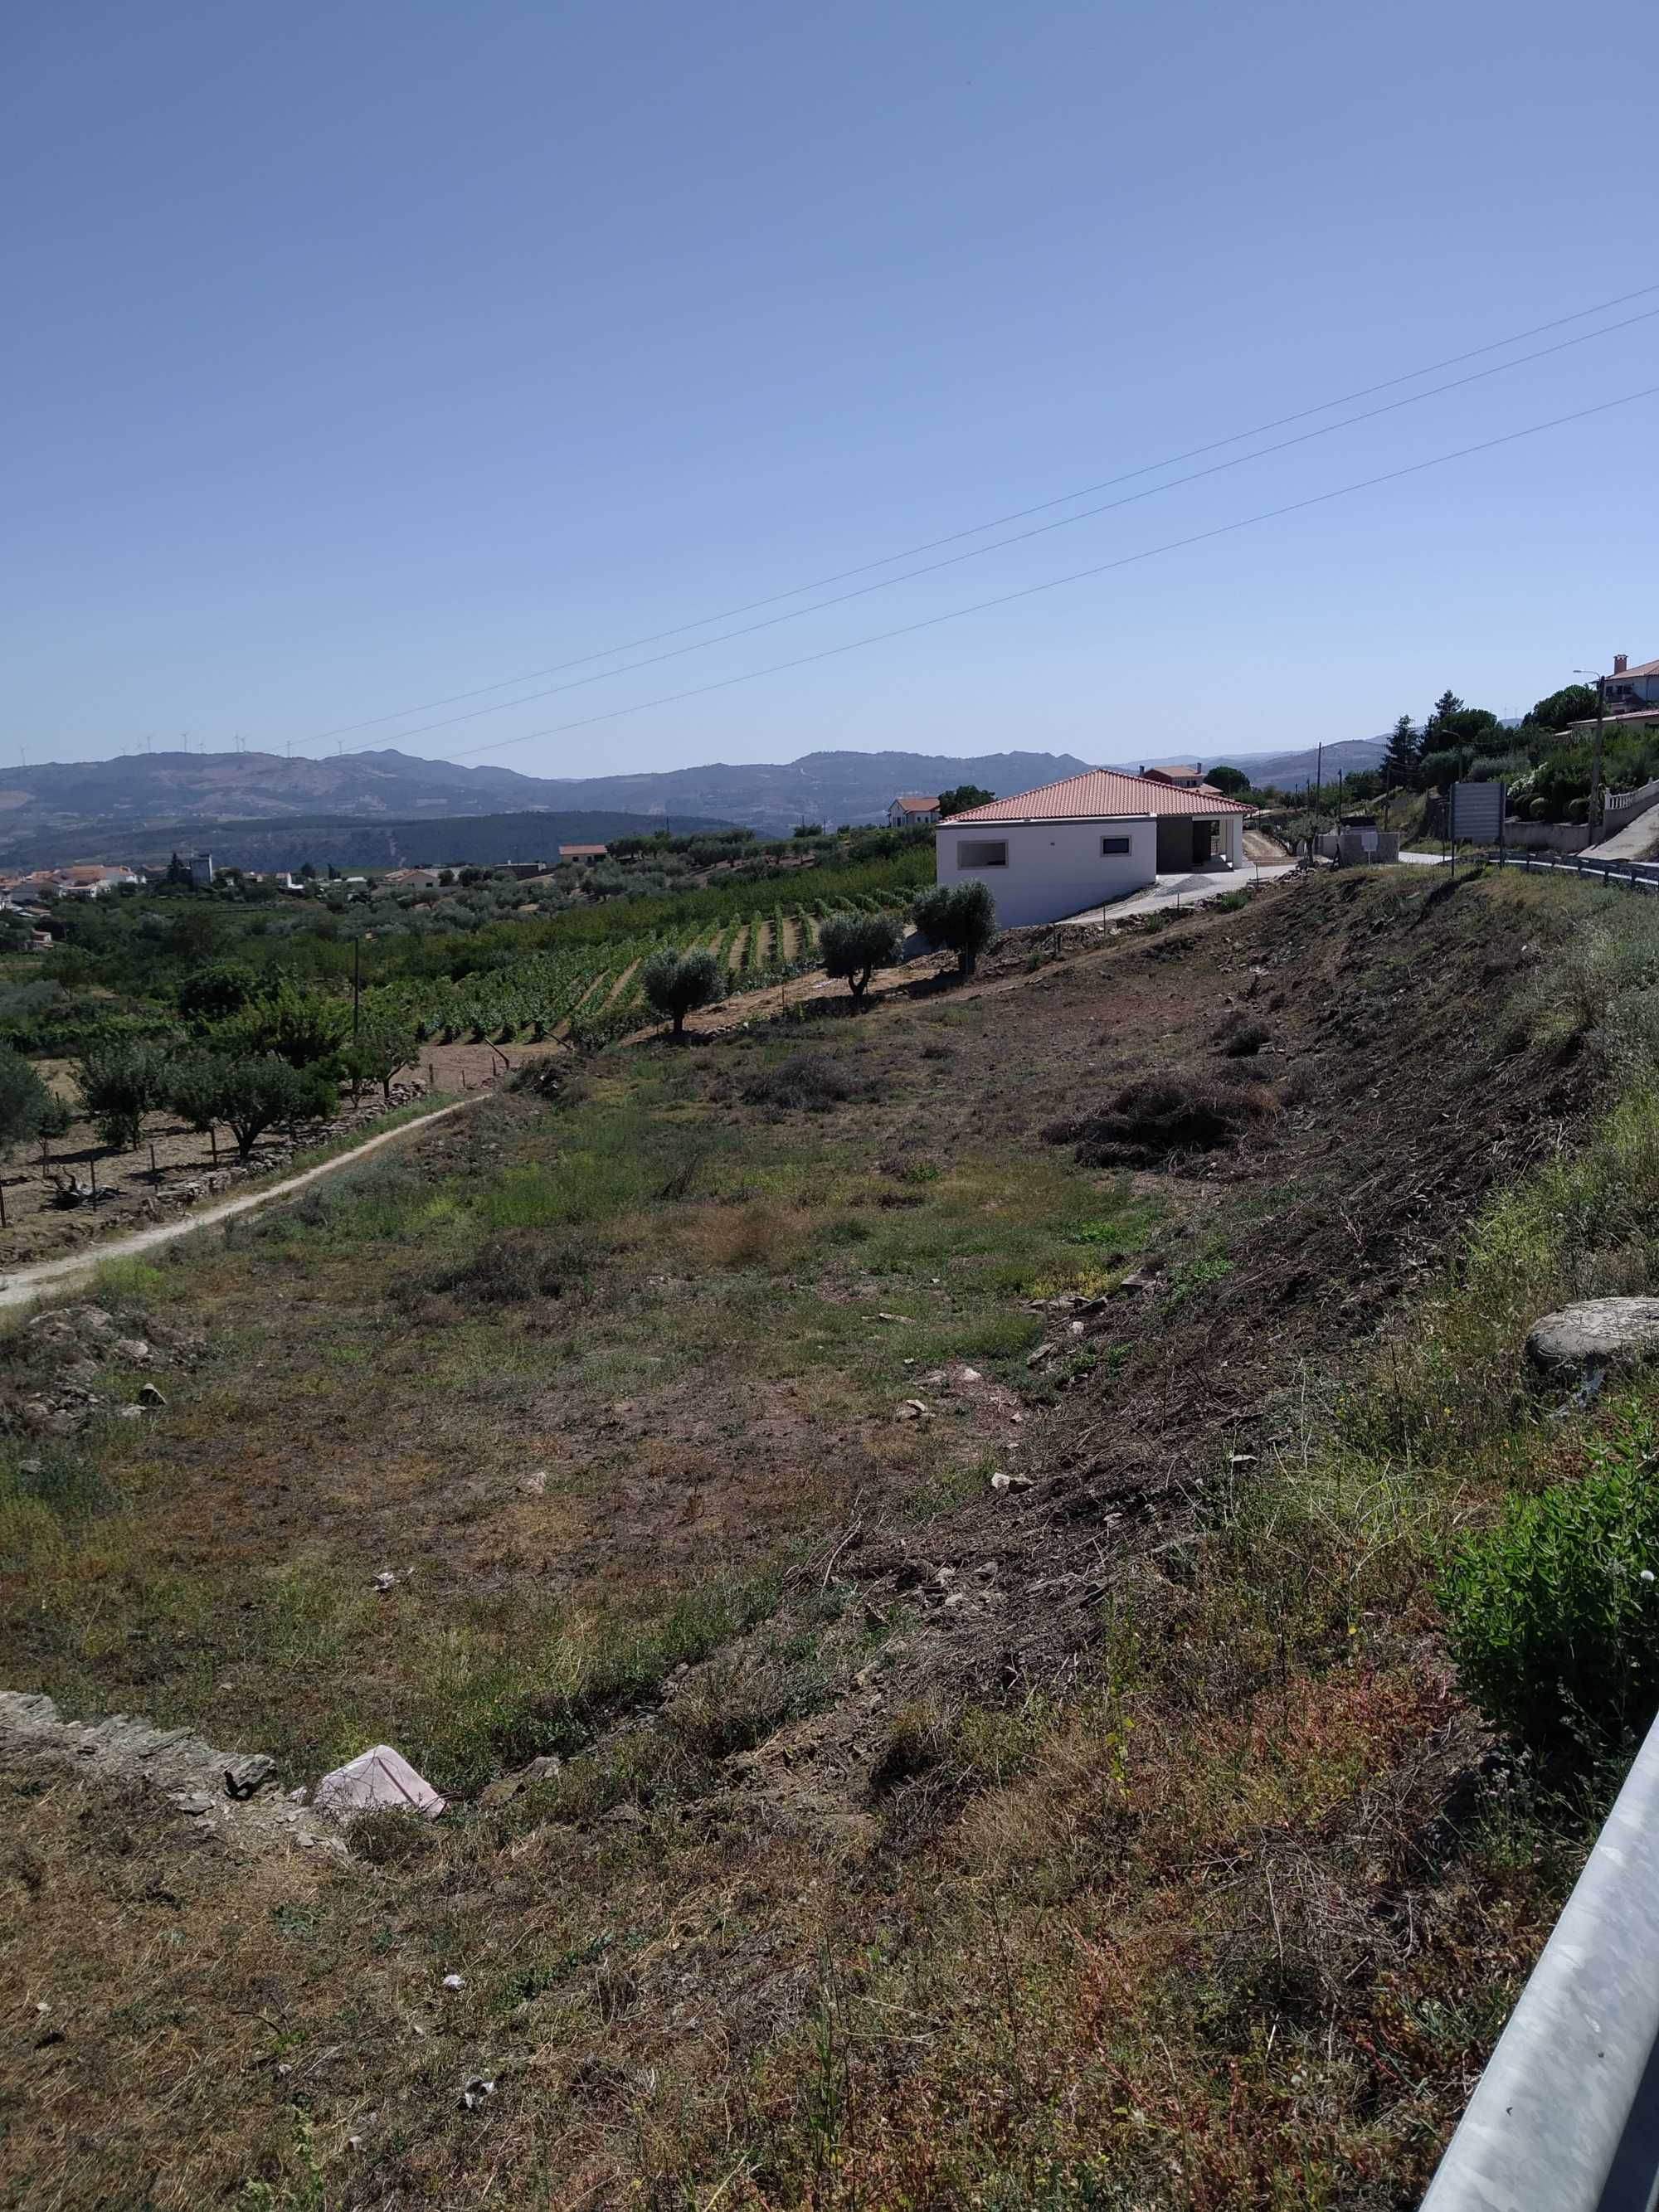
<point x="131" y="806"/>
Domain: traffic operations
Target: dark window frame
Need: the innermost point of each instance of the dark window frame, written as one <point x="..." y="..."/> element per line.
<point x="979" y="845"/>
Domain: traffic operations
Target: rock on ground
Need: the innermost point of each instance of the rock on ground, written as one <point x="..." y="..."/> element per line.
<point x="1597" y="1335"/>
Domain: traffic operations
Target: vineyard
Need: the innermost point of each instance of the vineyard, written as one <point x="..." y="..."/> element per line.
<point x="592" y="991"/>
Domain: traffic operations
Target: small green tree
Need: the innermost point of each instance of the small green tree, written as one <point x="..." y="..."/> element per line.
<point x="256" y="1095"/>
<point x="1400" y="763"/>
<point x="961" y="918"/>
<point x="961" y="797"/>
<point x="301" y="1027"/>
<point x="27" y="1107"/>
<point x="119" y="1084"/>
<point x="1574" y="703"/>
<point x="382" y="1045"/>
<point x="217" y="992"/>
<point x="675" y="983"/>
<point x="854" y="945"/>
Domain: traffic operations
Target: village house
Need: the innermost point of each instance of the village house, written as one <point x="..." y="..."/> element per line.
<point x="1088" y="840"/>
<point x="583" y="853"/>
<point x="912" y="813"/>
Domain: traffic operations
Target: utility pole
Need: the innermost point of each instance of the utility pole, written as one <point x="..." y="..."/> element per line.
<point x="1601" y="682"/>
<point x="357" y="981"/>
<point x="1319" y="783"/>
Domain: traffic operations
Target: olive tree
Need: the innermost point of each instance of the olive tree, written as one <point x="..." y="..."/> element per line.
<point x="676" y="983"/>
<point x="119" y="1084"/>
<point x="854" y="945"/>
<point x="961" y="918"/>
<point x="27" y="1107"/>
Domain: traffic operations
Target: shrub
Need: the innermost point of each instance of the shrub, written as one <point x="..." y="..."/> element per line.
<point x="1148" y="1120"/>
<point x="1553" y="1613"/>
<point x="960" y="918"/>
<point x="675" y="983"/>
<point x="854" y="945"/>
<point x="27" y="1107"/>
<point x="119" y="1084"/>
<point x="812" y="1082"/>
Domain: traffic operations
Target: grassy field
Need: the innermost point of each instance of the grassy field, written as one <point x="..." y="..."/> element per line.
<point x="1007" y="1753"/>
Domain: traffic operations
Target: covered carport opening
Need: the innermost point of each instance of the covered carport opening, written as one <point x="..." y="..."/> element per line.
<point x="1187" y="840"/>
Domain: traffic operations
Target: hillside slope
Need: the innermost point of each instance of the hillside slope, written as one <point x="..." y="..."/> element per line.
<point x="995" y="1748"/>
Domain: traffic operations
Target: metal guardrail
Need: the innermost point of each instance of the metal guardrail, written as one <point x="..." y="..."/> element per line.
<point x="1629" y="875"/>
<point x="1565" y="2119"/>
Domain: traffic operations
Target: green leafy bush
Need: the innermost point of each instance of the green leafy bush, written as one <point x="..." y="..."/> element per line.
<point x="1553" y="1613"/>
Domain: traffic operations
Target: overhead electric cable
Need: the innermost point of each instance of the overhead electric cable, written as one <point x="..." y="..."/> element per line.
<point x="1076" y="575"/>
<point x="995" y="522"/>
<point x="1022" y="536"/>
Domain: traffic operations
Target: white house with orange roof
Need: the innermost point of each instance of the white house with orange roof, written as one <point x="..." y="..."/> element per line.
<point x="912" y="812"/>
<point x="1088" y="840"/>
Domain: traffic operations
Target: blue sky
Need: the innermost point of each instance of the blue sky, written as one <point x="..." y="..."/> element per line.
<point x="358" y="357"/>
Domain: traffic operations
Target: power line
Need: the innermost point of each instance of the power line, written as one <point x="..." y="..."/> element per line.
<point x="995" y="522"/>
<point x="1076" y="575"/>
<point x="1038" y="530"/>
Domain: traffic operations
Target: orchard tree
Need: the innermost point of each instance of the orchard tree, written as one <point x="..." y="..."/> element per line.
<point x="382" y="1045"/>
<point x="676" y="983"/>
<point x="213" y="993"/>
<point x="962" y="918"/>
<point x="301" y="1027"/>
<point x="27" y="1107"/>
<point x="119" y="1084"/>
<point x="854" y="945"/>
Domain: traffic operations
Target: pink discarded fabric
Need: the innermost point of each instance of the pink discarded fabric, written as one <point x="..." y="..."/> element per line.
<point x="376" y="1781"/>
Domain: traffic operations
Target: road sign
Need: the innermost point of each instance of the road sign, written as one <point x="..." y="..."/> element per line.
<point x="1477" y="812"/>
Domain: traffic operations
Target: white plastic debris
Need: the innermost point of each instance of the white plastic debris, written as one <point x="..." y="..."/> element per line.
<point x="386" y="1580"/>
<point x="454" y="1981"/>
<point x="474" y="2092"/>
<point x="376" y="1781"/>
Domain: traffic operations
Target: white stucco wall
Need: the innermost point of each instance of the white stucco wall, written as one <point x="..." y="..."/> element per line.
<point x="1054" y="868"/>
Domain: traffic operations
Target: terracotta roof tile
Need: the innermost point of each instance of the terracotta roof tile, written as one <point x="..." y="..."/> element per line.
<point x="1103" y="792"/>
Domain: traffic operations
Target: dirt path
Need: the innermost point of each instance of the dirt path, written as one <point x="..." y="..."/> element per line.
<point x="23" y="1283"/>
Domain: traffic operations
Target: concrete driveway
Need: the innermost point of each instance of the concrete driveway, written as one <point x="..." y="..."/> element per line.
<point x="1179" y="891"/>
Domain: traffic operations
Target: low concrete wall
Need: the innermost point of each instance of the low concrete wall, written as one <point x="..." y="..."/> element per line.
<point x="1547" y="837"/>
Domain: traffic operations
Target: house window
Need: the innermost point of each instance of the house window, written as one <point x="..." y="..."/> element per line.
<point x="983" y="852"/>
<point x="1115" y="845"/>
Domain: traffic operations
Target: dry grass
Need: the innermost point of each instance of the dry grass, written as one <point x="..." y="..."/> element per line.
<point x="1122" y="1841"/>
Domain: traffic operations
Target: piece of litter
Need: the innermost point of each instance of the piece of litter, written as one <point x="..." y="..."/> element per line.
<point x="454" y="1981"/>
<point x="887" y="1316"/>
<point x="1004" y="1482"/>
<point x="376" y="1780"/>
<point x="970" y="1375"/>
<point x="386" y="1580"/>
<point x="474" y="2092"/>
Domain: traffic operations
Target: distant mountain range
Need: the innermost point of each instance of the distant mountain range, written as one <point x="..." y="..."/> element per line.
<point x="141" y="803"/>
<point x="1283" y="771"/>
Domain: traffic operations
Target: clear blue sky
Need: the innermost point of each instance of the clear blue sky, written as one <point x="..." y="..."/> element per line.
<point x="361" y="355"/>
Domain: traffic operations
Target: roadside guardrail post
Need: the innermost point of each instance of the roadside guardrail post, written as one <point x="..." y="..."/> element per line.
<point x="1565" y="2118"/>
